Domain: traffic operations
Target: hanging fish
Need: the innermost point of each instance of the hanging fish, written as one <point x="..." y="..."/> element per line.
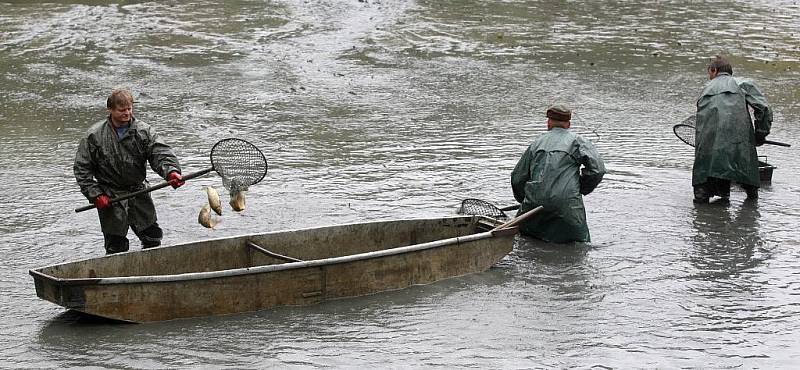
<point x="205" y="218"/>
<point x="214" y="200"/>
<point x="237" y="201"/>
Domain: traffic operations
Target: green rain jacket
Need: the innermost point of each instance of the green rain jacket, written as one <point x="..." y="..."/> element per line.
<point x="108" y="164"/>
<point x="724" y="135"/>
<point x="550" y="174"/>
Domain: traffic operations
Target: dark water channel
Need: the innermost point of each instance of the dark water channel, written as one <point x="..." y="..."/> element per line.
<point x="387" y="109"/>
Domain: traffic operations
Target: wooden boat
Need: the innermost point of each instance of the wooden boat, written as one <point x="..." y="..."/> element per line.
<point x="259" y="271"/>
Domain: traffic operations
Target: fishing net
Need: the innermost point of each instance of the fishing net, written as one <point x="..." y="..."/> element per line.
<point x="481" y="208"/>
<point x="686" y="130"/>
<point x="685" y="133"/>
<point x="239" y="163"/>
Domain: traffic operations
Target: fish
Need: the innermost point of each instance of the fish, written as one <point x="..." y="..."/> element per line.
<point x="237" y="201"/>
<point x="205" y="218"/>
<point x="214" y="200"/>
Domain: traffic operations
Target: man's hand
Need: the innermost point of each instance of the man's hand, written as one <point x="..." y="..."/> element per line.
<point x="175" y="179"/>
<point x="760" y="139"/>
<point x="102" y="201"/>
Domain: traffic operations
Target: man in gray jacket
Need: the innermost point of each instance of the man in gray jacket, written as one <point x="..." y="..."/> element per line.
<point x="111" y="161"/>
<point x="555" y="172"/>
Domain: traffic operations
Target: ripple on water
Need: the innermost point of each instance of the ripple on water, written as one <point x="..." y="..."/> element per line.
<point x="369" y="111"/>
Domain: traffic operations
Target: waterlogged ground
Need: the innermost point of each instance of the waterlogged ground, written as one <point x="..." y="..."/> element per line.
<point x="372" y="110"/>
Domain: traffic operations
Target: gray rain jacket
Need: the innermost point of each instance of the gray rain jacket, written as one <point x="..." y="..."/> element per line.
<point x="106" y="164"/>
<point x="724" y="135"/>
<point x="550" y="174"/>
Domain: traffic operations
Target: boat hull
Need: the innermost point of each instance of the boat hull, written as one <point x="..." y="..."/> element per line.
<point x="377" y="257"/>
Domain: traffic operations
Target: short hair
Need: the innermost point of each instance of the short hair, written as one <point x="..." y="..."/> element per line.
<point x="119" y="98"/>
<point x="721" y="65"/>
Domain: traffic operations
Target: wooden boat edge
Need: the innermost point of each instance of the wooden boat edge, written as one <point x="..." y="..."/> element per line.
<point x="267" y="268"/>
<point x="36" y="273"/>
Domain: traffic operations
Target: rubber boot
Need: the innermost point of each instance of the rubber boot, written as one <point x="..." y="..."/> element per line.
<point x="151" y="236"/>
<point x="701" y="194"/>
<point x="751" y="191"/>
<point x="115" y="244"/>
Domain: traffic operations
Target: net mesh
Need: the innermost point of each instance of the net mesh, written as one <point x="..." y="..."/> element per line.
<point x="685" y="130"/>
<point x="239" y="163"/>
<point x="481" y="208"/>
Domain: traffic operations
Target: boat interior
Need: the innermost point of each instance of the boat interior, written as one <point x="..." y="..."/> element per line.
<point x="272" y="248"/>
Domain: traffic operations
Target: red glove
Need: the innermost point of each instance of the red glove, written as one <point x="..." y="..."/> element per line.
<point x="175" y="179"/>
<point x="102" y="201"/>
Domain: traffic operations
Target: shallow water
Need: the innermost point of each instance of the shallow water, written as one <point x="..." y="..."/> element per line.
<point x="385" y="109"/>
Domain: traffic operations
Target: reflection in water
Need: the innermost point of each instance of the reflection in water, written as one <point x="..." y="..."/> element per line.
<point x="730" y="298"/>
<point x="412" y="319"/>
<point x="557" y="256"/>
<point x="562" y="268"/>
<point x="725" y="239"/>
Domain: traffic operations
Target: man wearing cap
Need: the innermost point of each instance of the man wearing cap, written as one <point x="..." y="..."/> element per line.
<point x="555" y="172"/>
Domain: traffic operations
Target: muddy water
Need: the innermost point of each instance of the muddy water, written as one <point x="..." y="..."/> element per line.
<point x="384" y="109"/>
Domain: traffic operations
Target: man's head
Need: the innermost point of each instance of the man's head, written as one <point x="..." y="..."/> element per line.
<point x="719" y="65"/>
<point x="558" y="116"/>
<point x="120" y="107"/>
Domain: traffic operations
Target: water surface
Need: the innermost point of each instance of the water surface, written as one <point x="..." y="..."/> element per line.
<point x="390" y="109"/>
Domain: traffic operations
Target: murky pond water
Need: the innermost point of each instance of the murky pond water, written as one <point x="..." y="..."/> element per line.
<point x="373" y="110"/>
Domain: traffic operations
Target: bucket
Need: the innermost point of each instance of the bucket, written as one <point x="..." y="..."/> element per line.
<point x="764" y="169"/>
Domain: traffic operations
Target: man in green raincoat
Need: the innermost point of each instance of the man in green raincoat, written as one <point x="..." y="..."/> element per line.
<point x="725" y="137"/>
<point x="555" y="172"/>
<point x="111" y="161"/>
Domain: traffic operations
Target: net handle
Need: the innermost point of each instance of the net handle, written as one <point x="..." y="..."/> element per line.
<point x="148" y="189"/>
<point x="187" y="177"/>
<point x="778" y="143"/>
<point x="518" y="219"/>
<point x="681" y="127"/>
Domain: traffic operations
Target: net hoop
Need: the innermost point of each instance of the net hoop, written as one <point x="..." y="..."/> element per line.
<point x="685" y="132"/>
<point x="478" y="207"/>
<point x="239" y="163"/>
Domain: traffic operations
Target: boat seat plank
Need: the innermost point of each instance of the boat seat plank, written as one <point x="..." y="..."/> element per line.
<point x="483" y="225"/>
<point x="272" y="254"/>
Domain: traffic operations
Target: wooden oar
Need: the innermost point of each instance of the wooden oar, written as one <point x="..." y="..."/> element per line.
<point x="518" y="219"/>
